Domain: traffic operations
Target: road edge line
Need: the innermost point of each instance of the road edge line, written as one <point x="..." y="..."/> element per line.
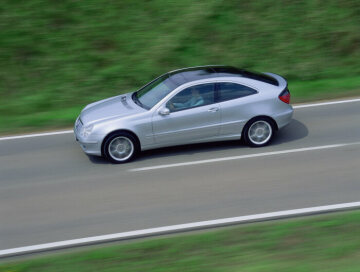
<point x="33" y="135"/>
<point x="176" y="228"/>
<point x="325" y="103"/>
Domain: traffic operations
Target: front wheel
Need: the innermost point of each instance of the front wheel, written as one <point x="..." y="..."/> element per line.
<point x="121" y="147"/>
<point x="258" y="132"/>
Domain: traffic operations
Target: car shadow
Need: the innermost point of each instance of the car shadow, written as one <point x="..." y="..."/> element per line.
<point x="296" y="130"/>
<point x="98" y="160"/>
<point x="190" y="149"/>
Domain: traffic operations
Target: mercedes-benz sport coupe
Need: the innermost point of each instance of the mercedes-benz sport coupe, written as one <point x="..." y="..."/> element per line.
<point x="191" y="105"/>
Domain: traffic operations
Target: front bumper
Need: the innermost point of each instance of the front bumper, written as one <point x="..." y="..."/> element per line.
<point x="89" y="146"/>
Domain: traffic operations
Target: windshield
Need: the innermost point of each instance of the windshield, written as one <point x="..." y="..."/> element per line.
<point x="152" y="93"/>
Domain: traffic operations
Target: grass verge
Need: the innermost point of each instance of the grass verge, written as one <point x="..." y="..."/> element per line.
<point x="55" y="57"/>
<point x="320" y="243"/>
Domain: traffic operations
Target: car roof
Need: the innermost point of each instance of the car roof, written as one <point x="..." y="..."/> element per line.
<point x="190" y="74"/>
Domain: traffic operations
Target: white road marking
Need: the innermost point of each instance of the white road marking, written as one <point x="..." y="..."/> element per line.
<point x="301" y="106"/>
<point x="176" y="228"/>
<point x="36" y="135"/>
<point x="70" y="131"/>
<point x="264" y="154"/>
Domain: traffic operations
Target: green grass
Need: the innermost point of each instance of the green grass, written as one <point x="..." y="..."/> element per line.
<point x="57" y="56"/>
<point x="320" y="243"/>
<point x="303" y="91"/>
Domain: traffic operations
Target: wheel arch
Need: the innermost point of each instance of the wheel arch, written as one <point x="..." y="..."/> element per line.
<point x="272" y="120"/>
<point x="110" y="134"/>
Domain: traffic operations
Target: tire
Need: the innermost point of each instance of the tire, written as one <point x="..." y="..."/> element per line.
<point x="121" y="147"/>
<point x="259" y="132"/>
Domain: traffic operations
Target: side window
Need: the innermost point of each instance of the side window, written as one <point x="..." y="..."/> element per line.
<point x="229" y="91"/>
<point x="192" y="97"/>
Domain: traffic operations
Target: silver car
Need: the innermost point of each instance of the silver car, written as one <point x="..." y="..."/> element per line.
<point x="191" y="105"/>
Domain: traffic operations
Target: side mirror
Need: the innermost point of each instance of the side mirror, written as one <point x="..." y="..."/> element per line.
<point x="164" y="111"/>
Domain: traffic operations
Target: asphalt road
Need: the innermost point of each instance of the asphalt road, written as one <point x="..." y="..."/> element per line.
<point x="51" y="191"/>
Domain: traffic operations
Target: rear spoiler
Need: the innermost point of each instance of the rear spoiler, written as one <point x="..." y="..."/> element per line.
<point x="282" y="81"/>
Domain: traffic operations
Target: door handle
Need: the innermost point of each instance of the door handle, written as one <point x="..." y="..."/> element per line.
<point x="215" y="109"/>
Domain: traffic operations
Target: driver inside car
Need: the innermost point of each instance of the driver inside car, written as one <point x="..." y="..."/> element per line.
<point x="194" y="100"/>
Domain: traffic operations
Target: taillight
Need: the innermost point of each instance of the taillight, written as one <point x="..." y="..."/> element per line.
<point x="285" y="96"/>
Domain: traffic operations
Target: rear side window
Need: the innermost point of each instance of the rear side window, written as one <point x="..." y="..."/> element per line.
<point x="228" y="91"/>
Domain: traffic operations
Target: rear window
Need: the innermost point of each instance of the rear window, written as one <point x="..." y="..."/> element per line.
<point x="260" y="77"/>
<point x="228" y="91"/>
<point x="232" y="71"/>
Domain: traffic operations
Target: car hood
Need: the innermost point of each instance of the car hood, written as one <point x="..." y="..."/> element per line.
<point x="113" y="107"/>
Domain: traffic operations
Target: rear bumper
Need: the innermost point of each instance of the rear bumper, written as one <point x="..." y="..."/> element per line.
<point x="284" y="118"/>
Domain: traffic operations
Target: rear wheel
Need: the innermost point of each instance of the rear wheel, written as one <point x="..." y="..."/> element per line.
<point x="258" y="132"/>
<point x="121" y="147"/>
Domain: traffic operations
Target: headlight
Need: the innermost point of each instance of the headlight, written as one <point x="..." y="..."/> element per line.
<point x="86" y="130"/>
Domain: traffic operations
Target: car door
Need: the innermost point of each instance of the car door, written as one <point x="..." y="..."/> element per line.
<point x="190" y="116"/>
<point x="237" y="102"/>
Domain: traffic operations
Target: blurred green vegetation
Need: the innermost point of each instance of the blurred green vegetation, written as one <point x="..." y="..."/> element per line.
<point x="322" y="243"/>
<point x="57" y="56"/>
